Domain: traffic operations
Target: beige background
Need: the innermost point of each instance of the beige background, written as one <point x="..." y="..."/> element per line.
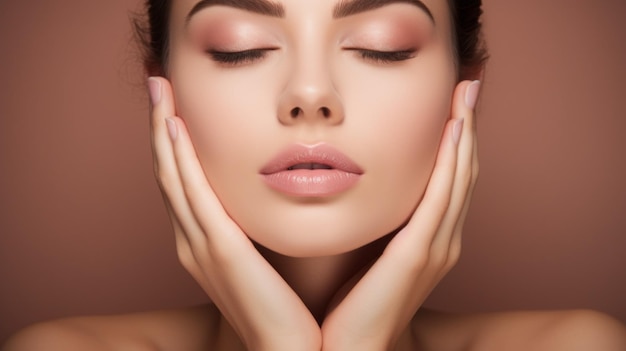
<point x="83" y="230"/>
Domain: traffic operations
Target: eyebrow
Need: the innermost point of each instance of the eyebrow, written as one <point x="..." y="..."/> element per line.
<point x="268" y="8"/>
<point x="262" y="7"/>
<point x="353" y="7"/>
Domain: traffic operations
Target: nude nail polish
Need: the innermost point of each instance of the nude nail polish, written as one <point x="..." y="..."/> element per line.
<point x="471" y="94"/>
<point x="171" y="128"/>
<point x="155" y="90"/>
<point x="457" y="130"/>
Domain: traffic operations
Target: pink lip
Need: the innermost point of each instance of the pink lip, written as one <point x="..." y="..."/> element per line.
<point x="341" y="175"/>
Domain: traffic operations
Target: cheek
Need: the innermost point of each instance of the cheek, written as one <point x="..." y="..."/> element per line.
<point x="411" y="148"/>
<point x="224" y="114"/>
<point x="405" y="126"/>
<point x="226" y="118"/>
<point x="399" y="135"/>
<point x="417" y="116"/>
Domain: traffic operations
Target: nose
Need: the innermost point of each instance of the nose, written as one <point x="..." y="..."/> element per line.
<point x="310" y="96"/>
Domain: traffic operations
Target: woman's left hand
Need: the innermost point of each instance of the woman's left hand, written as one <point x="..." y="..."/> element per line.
<point x="376" y="313"/>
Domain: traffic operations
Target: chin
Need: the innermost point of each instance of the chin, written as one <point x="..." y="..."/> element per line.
<point x="310" y="244"/>
<point x="311" y="235"/>
<point x="317" y="247"/>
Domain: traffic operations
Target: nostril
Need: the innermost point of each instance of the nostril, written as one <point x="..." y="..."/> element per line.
<point x="295" y="112"/>
<point x="325" y="112"/>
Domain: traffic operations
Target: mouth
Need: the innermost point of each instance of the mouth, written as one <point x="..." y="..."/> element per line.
<point x="310" y="166"/>
<point x="317" y="157"/>
<point x="311" y="171"/>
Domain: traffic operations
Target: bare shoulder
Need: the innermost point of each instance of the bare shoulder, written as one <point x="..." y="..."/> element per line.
<point x="524" y="330"/>
<point x="179" y="329"/>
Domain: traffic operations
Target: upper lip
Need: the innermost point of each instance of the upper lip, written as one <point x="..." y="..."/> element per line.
<point x="319" y="154"/>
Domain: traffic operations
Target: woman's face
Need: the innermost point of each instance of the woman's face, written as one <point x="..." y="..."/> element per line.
<point x="317" y="123"/>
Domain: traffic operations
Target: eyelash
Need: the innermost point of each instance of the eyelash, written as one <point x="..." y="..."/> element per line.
<point x="237" y="58"/>
<point x="385" y="56"/>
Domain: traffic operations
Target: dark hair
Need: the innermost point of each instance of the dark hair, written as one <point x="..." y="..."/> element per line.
<point x="471" y="52"/>
<point x="469" y="47"/>
<point x="153" y="36"/>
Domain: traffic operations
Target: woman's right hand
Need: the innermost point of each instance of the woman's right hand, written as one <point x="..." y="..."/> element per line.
<point x="264" y="311"/>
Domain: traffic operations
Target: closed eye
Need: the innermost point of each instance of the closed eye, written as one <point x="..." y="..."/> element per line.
<point x="385" y="56"/>
<point x="237" y="58"/>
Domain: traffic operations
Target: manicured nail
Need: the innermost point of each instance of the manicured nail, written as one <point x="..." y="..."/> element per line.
<point x="471" y="94"/>
<point x="457" y="128"/>
<point x="171" y="128"/>
<point x="155" y="90"/>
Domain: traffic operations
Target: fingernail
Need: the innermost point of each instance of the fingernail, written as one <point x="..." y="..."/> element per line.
<point x="457" y="128"/>
<point x="155" y="90"/>
<point x="471" y="94"/>
<point x="171" y="128"/>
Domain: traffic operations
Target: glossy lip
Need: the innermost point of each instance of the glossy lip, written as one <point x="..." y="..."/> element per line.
<point x="342" y="174"/>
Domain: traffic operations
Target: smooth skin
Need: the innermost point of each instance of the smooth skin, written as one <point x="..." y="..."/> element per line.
<point x="265" y="312"/>
<point x="241" y="115"/>
<point x="256" y="310"/>
<point x="365" y="298"/>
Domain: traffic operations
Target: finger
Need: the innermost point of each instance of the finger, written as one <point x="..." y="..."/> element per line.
<point x="184" y="252"/>
<point x="181" y="217"/>
<point x="455" y="243"/>
<point x="161" y="107"/>
<point x="462" y="108"/>
<point x="165" y="167"/>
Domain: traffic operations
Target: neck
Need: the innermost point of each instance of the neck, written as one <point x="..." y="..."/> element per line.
<point x="319" y="280"/>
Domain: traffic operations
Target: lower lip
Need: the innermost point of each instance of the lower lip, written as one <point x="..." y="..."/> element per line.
<point x="311" y="183"/>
